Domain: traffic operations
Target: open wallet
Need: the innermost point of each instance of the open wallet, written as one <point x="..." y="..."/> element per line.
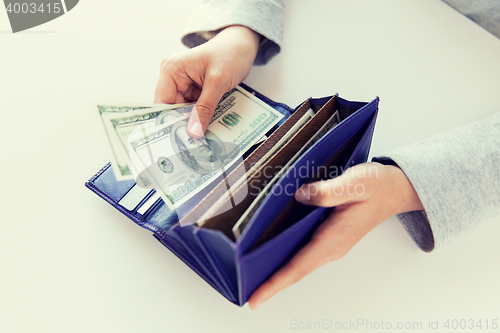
<point x="236" y="264"/>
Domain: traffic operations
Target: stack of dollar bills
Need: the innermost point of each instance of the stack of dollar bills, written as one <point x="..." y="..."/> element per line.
<point x="151" y="145"/>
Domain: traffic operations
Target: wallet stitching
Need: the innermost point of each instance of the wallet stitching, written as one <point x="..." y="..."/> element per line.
<point x="104" y="168"/>
<point x="216" y="261"/>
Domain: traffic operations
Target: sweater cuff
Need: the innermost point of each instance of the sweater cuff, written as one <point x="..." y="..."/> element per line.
<point x="415" y="223"/>
<point x="456" y="177"/>
<point x="265" y="17"/>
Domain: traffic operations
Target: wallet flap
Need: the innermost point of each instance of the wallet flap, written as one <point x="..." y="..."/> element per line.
<point x="257" y="266"/>
<point x="185" y="235"/>
<point x="223" y="255"/>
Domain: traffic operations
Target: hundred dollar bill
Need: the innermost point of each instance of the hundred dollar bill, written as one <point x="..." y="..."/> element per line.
<point x="120" y="121"/>
<point x="155" y="197"/>
<point x="180" y="166"/>
<point x="124" y="108"/>
<point x="241" y="224"/>
<point x="121" y="108"/>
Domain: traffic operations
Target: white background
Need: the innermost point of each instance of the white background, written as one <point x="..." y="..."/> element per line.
<point x="69" y="262"/>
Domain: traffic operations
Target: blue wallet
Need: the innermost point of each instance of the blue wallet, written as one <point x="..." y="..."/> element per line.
<point x="280" y="226"/>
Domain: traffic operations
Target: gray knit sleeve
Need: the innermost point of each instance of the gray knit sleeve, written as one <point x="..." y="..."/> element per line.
<point x="265" y="17"/>
<point x="457" y="178"/>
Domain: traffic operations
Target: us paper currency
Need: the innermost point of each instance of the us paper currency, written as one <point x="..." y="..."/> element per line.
<point x="155" y="197"/>
<point x="121" y="108"/>
<point x="120" y="121"/>
<point x="241" y="224"/>
<point x="179" y="166"/>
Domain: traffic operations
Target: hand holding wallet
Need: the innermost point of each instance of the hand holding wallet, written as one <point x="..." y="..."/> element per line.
<point x="280" y="225"/>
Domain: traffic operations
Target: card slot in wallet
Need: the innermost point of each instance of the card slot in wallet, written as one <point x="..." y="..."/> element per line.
<point x="221" y="190"/>
<point x="295" y="211"/>
<point x="358" y="123"/>
<point x="105" y="180"/>
<point x="268" y="170"/>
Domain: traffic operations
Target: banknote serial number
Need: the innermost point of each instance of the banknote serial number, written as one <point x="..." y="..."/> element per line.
<point x="33" y="8"/>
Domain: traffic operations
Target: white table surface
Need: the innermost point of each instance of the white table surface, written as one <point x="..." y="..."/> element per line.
<point x="69" y="262"/>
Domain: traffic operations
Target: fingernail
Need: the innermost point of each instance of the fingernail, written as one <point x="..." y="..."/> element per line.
<point x="256" y="304"/>
<point x="302" y="194"/>
<point x="196" y="129"/>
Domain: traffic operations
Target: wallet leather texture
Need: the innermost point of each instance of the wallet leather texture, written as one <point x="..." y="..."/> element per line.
<point x="280" y="226"/>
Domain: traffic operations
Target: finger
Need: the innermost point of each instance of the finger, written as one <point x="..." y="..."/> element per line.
<point x="349" y="187"/>
<point x="192" y="93"/>
<point x="211" y="93"/>
<point x="327" y="193"/>
<point x="310" y="257"/>
<point x="179" y="98"/>
<point x="166" y="89"/>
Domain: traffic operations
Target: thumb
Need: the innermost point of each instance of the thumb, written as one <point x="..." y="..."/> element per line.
<point x="203" y="111"/>
<point x="343" y="189"/>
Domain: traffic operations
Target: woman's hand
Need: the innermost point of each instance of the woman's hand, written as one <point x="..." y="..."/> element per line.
<point x="363" y="197"/>
<point x="205" y="73"/>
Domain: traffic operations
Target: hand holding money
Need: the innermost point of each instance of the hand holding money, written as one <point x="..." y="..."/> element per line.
<point x="206" y="72"/>
<point x="151" y="144"/>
